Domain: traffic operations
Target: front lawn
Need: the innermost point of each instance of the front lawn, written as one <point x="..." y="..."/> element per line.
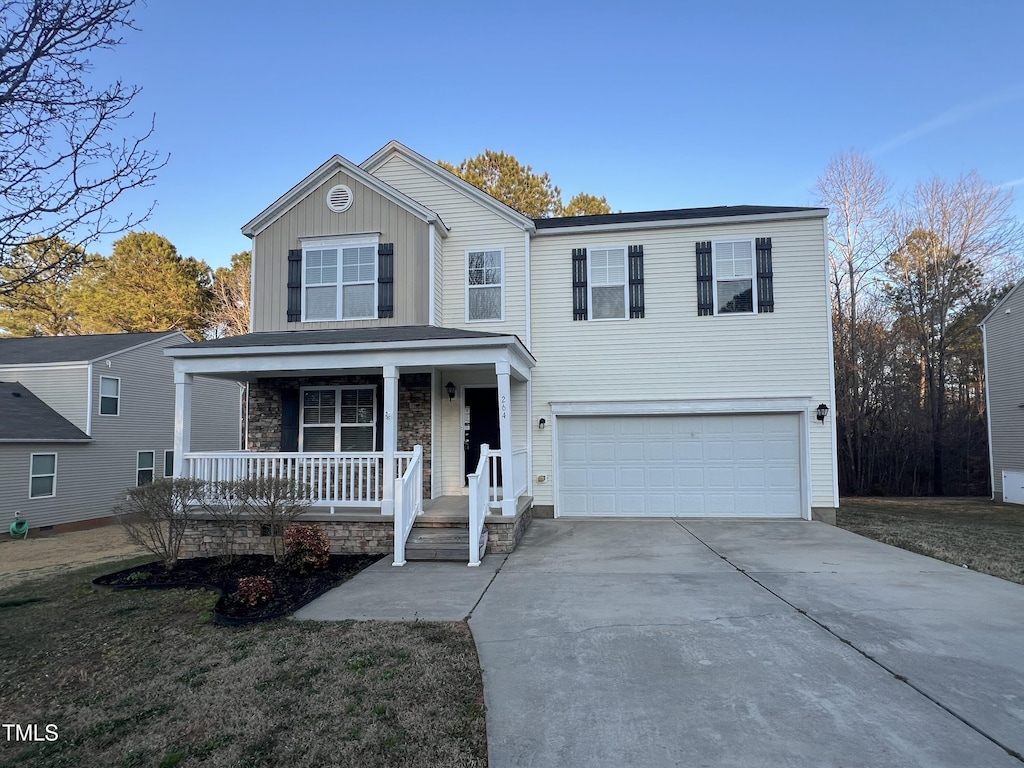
<point x="983" y="535"/>
<point x="143" y="678"/>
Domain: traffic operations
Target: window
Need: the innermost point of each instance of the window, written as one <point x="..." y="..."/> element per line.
<point x="607" y="283"/>
<point x="42" y="480"/>
<point x="110" y="395"/>
<point x="168" y="463"/>
<point x="484" y="278"/>
<point x="734" y="276"/>
<point x="339" y="281"/>
<point x="338" y="419"/>
<point x="144" y="467"/>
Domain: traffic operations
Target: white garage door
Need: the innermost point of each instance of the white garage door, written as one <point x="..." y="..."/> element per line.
<point x="743" y="466"/>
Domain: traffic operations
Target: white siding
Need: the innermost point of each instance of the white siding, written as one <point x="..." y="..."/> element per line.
<point x="63" y="388"/>
<point x="672" y="353"/>
<point x="1004" y="355"/>
<point x="472" y="226"/>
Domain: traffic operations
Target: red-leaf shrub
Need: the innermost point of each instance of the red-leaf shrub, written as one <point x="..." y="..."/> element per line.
<point x="255" y="590"/>
<point x="307" y="548"/>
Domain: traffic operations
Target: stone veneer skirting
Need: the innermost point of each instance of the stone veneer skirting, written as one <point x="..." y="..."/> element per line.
<point x="264" y="426"/>
<point x="348" y="533"/>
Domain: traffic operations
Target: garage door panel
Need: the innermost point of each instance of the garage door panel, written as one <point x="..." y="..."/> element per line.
<point x="729" y="465"/>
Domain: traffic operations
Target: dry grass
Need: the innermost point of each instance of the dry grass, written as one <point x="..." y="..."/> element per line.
<point x="983" y="535"/>
<point x="144" y="679"/>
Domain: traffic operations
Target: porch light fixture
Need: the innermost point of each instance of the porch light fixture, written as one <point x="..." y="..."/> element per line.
<point x="542" y="423"/>
<point x="822" y="412"/>
<point x="450" y="389"/>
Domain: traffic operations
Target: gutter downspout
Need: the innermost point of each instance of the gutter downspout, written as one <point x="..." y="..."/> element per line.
<point x="88" y="401"/>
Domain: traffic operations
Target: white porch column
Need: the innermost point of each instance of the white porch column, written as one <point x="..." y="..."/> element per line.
<point x="387" y="502"/>
<point x="508" y="484"/>
<point x="182" y="420"/>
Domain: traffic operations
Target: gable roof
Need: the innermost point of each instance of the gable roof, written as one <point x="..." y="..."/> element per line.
<point x="382" y="155"/>
<point x="74" y="349"/>
<point x="300" y="191"/>
<point x="24" y="418"/>
<point x="1001" y="302"/>
<point x="679" y="215"/>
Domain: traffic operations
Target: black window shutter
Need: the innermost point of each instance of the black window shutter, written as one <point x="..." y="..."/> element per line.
<point x="705" y="284"/>
<point x="579" y="283"/>
<point x="295" y="285"/>
<point x="636" y="281"/>
<point x="386" y="280"/>
<point x="765" y="294"/>
<point x="289" y="420"/>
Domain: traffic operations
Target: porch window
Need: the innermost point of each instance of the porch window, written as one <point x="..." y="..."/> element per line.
<point x="338" y="419"/>
<point x="340" y="281"/>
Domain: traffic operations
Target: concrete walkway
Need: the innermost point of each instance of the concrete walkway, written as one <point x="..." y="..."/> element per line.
<point x="726" y="643"/>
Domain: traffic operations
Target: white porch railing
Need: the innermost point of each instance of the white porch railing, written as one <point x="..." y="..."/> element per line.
<point x="479" y="485"/>
<point x="408" y="501"/>
<point x="516" y="480"/>
<point x="349" y="479"/>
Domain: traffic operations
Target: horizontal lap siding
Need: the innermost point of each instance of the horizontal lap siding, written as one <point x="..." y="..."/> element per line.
<point x="1004" y="341"/>
<point x="216" y="415"/>
<point x="310" y="218"/>
<point x="672" y="353"/>
<point x="78" y="496"/>
<point x="471" y="226"/>
<point x="63" y="389"/>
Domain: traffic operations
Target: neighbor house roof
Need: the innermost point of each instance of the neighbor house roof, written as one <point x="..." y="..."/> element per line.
<point x="74" y="349"/>
<point x="680" y="215"/>
<point x="370" y="335"/>
<point x="300" y="191"/>
<point x="24" y="418"/>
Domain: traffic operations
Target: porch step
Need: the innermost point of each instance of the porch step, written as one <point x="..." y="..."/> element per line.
<point x="448" y="543"/>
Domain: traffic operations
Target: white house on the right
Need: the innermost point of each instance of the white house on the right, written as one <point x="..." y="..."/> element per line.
<point x="1003" y="334"/>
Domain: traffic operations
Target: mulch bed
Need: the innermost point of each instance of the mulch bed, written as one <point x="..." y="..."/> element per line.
<point x="291" y="590"/>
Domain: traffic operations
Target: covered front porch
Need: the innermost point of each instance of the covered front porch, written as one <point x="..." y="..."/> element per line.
<point x="376" y="421"/>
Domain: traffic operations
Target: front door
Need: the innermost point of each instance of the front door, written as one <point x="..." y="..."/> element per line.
<point x="482" y="414"/>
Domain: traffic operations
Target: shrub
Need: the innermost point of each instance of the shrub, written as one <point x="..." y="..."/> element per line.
<point x="255" y="590"/>
<point x="307" y="548"/>
<point x="225" y="504"/>
<point x="155" y="515"/>
<point x="273" y="502"/>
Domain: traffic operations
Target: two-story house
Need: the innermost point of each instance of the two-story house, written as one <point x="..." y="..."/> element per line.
<point x="673" y="362"/>
<point x="82" y="418"/>
<point x="1002" y="334"/>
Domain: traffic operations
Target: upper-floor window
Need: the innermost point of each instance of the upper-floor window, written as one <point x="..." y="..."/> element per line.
<point x="110" y="395"/>
<point x="42" y="481"/>
<point x="339" y="281"/>
<point x="338" y="419"/>
<point x="735" y="288"/>
<point x="608" y="283"/>
<point x="485" y="285"/>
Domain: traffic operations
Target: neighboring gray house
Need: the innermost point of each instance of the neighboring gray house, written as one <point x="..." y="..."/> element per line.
<point x="84" y="417"/>
<point x="1003" y="334"/>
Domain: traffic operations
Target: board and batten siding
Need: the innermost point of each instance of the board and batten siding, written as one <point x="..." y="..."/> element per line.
<point x="310" y="217"/>
<point x="1004" y="359"/>
<point x="62" y="387"/>
<point x="472" y="226"/>
<point x="674" y="354"/>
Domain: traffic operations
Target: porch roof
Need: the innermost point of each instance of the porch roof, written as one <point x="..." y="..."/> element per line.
<point x="366" y="347"/>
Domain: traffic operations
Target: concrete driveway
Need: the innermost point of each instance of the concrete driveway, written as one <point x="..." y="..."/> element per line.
<point x="739" y="643"/>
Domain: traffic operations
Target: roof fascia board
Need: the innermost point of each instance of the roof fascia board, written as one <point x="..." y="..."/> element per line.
<point x="378" y="158"/>
<point x="1000" y="303"/>
<point x="292" y="197"/>
<point x="44" y="440"/>
<point x="680" y="223"/>
<point x="52" y="366"/>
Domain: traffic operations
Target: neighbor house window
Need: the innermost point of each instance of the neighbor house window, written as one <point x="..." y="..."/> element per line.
<point x="42" y="476"/>
<point x="484" y="279"/>
<point x="340" y="281"/>
<point x="734" y="276"/>
<point x="110" y="395"/>
<point x="338" y="419"/>
<point x="144" y="467"/>
<point x="607" y="283"/>
<point x="168" y="463"/>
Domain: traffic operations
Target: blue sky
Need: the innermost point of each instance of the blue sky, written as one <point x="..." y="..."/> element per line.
<point x="654" y="105"/>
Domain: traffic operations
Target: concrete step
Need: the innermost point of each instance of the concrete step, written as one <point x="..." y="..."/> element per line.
<point x="441" y="544"/>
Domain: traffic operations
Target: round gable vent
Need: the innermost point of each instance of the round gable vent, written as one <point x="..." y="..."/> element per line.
<point x="339" y="199"/>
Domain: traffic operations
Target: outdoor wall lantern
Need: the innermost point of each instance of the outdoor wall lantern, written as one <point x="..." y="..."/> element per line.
<point x="542" y="423"/>
<point x="822" y="412"/>
<point x="450" y="389"/>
